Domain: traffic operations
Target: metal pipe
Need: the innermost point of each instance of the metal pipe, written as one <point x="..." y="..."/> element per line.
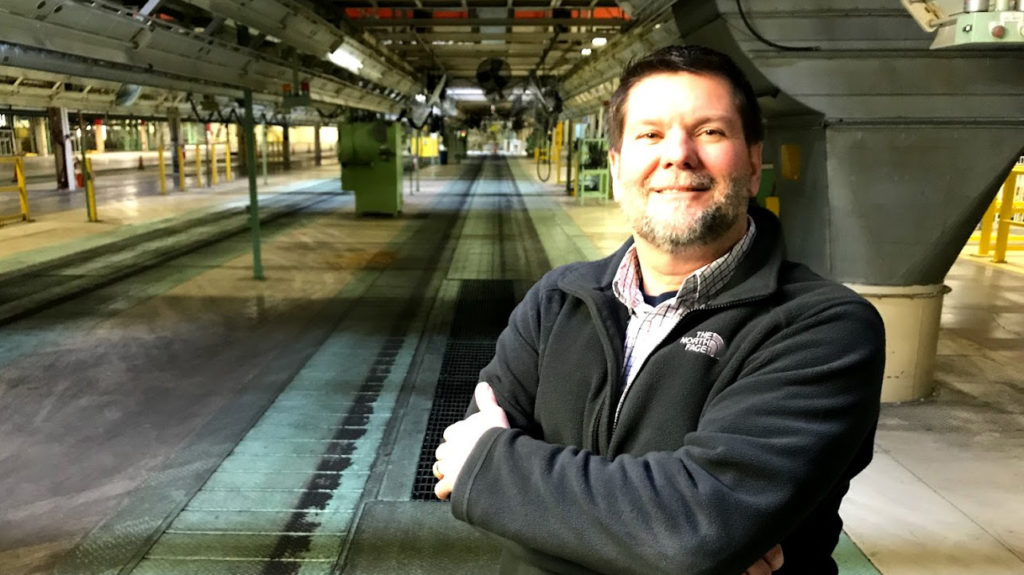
<point x="160" y="161"/>
<point x="1005" y="5"/>
<point x="249" y="123"/>
<point x="975" y="6"/>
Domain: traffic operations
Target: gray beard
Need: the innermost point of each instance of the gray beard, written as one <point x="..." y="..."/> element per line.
<point x="710" y="226"/>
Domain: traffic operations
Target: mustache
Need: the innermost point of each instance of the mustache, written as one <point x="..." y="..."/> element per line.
<point x="691" y="180"/>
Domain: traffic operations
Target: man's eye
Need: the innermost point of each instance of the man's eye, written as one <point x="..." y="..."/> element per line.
<point x="648" y="136"/>
<point x="712" y="132"/>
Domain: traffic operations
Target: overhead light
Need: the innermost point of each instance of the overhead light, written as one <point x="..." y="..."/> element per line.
<point x="421" y="98"/>
<point x="599" y="41"/>
<point x="585" y="51"/>
<point x="345" y="59"/>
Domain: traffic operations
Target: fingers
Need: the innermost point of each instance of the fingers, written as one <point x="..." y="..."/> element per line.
<point x="768" y="564"/>
<point x="774" y="558"/>
<point x="443" y="489"/>
<point x="484" y="396"/>
<point x="487" y="402"/>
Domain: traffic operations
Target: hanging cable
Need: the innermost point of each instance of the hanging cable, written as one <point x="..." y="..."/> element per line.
<point x="766" y="41"/>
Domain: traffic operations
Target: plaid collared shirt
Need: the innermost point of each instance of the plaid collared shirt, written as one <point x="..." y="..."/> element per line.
<point x="649" y="325"/>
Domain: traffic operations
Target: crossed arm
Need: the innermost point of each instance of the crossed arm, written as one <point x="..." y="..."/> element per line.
<point x="461" y="437"/>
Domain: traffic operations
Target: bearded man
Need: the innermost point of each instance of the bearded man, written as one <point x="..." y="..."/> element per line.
<point x="693" y="404"/>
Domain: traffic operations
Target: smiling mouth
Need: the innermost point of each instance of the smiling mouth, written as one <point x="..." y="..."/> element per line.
<point x="681" y="189"/>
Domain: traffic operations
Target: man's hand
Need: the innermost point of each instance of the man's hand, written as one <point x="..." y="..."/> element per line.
<point x="461" y="437"/>
<point x="772" y="561"/>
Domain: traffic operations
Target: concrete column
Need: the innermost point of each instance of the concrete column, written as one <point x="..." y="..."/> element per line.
<point x="569" y="155"/>
<point x="40" y="144"/>
<point x="286" y="147"/>
<point x="241" y="143"/>
<point x="174" y="127"/>
<point x="63" y="153"/>
<point x="143" y="129"/>
<point x="99" y="132"/>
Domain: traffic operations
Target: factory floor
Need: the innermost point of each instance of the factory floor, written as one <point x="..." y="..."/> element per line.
<point x="187" y="418"/>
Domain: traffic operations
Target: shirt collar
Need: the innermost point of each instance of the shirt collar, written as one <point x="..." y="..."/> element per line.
<point x="697" y="289"/>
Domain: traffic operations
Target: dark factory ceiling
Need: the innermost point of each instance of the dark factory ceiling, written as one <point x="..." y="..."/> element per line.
<point x="389" y="56"/>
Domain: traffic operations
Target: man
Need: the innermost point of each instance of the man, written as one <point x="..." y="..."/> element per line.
<point x="691" y="403"/>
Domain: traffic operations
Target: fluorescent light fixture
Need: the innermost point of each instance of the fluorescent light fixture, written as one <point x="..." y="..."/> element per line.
<point x="345" y="59"/>
<point x="599" y="41"/>
<point x="586" y="51"/>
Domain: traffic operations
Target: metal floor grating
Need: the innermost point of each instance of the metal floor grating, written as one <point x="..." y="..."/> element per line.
<point x="481" y="312"/>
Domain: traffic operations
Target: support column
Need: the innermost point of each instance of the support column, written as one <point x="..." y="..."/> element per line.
<point x="174" y="127"/>
<point x="63" y="152"/>
<point x="40" y="144"/>
<point x="570" y="154"/>
<point x="254" y="204"/>
<point x="143" y="130"/>
<point x="286" y="147"/>
<point x="317" y="152"/>
<point x="99" y="132"/>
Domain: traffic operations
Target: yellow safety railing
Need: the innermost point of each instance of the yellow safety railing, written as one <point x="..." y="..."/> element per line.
<point x="227" y="162"/>
<point x="19" y="188"/>
<point x="1000" y="215"/>
<point x="211" y="151"/>
<point x="556" y="152"/>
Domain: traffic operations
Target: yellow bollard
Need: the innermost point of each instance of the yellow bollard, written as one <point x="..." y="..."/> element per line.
<point x="90" y="192"/>
<point x="163" y="171"/>
<point x="199" y="168"/>
<point x="227" y="163"/>
<point x="181" y="167"/>
<point x="211" y="150"/>
<point x="1005" y="217"/>
<point x="558" y="153"/>
<point x="19" y="174"/>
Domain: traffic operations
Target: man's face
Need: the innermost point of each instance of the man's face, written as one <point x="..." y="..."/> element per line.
<point x="684" y="172"/>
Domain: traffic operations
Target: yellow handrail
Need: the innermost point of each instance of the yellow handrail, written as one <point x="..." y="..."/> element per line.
<point x="1006" y="212"/>
<point x="19" y="188"/>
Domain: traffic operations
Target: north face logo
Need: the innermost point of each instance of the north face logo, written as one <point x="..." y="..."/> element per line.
<point x="706" y="342"/>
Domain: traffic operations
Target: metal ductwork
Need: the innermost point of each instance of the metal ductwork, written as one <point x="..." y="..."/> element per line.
<point x="299" y="27"/>
<point x="97" y="39"/>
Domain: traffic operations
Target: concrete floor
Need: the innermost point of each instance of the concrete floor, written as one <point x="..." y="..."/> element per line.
<point x="119" y="405"/>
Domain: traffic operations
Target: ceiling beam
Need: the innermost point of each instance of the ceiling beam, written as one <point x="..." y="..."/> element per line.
<point x="478" y="36"/>
<point x="470" y="22"/>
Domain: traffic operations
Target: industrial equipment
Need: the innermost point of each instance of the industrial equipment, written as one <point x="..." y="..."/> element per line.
<point x="592" y="171"/>
<point x="970" y="22"/>
<point x="370" y="155"/>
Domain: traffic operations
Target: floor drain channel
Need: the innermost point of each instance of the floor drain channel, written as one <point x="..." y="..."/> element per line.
<point x="481" y="312"/>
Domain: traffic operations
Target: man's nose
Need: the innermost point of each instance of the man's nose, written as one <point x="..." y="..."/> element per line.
<point x="679" y="150"/>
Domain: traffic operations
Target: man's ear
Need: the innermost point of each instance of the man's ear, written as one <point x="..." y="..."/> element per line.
<point x="755" y="152"/>
<point x="613" y="171"/>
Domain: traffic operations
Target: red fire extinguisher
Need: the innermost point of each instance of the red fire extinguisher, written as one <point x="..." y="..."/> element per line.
<point x="79" y="178"/>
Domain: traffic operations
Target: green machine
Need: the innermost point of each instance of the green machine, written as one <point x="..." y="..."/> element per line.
<point x="370" y="154"/>
<point x="592" y="169"/>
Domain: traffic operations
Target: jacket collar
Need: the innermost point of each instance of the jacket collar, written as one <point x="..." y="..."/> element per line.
<point x="756" y="277"/>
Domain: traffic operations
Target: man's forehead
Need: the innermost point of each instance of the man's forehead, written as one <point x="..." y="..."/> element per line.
<point x="652" y="98"/>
